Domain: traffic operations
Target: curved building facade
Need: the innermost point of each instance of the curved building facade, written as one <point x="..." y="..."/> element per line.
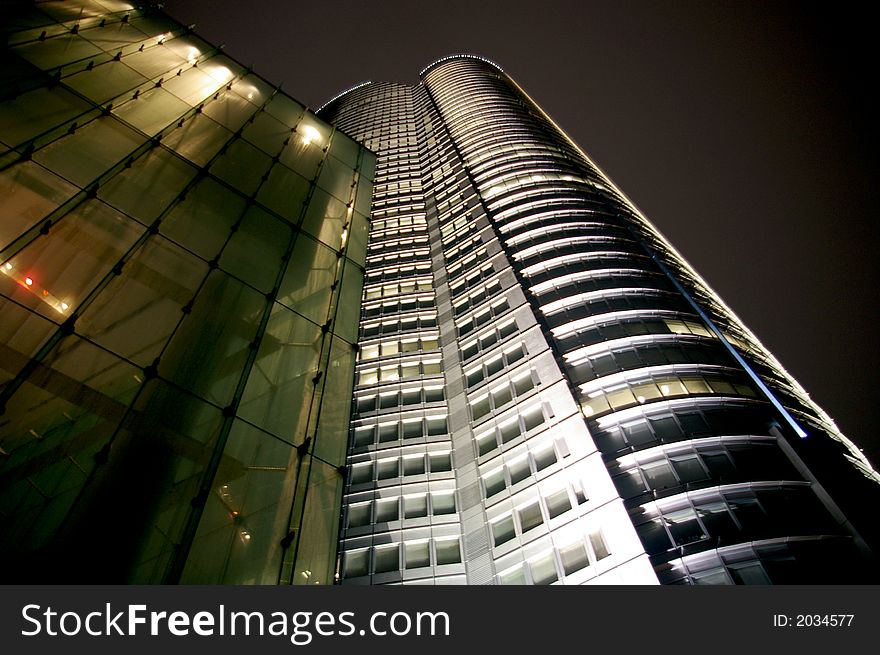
<point x="546" y="392"/>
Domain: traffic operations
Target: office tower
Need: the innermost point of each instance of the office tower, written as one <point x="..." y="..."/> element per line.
<point x="547" y="392"/>
<point x="181" y="247"/>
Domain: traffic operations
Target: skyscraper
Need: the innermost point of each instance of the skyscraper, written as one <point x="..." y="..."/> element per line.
<point x="546" y="391"/>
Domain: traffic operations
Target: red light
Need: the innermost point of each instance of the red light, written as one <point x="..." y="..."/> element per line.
<point x="28" y="281"/>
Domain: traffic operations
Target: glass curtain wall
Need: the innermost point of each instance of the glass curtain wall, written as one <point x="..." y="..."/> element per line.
<point x="182" y="251"/>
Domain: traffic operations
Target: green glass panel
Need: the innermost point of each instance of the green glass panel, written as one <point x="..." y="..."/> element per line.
<point x="279" y="389"/>
<point x="194" y="85"/>
<point x="137" y="312"/>
<point x="113" y="36"/>
<point x="83" y="156"/>
<point x="246" y="516"/>
<point x="307" y="281"/>
<point x="198" y="139"/>
<point x="256" y="249"/>
<point x="301" y="157"/>
<point x="45" y="109"/>
<point x="66" y="11"/>
<point x="316" y="549"/>
<point x="57" y="51"/>
<point x="331" y="440"/>
<point x="155" y="62"/>
<point x="358" y="236"/>
<point x="368" y="165"/>
<point x="154" y="25"/>
<point x="222" y="67"/>
<point x="285" y="109"/>
<point x="363" y="196"/>
<point x="21" y="334"/>
<point x="202" y="221"/>
<point x="345" y="149"/>
<point x="230" y="110"/>
<point x="253" y="89"/>
<point x="284" y="192"/>
<point x="152" y="111"/>
<point x="208" y="352"/>
<point x="267" y="133"/>
<point x="144" y="190"/>
<point x="336" y="179"/>
<point x="348" y="309"/>
<point x="28" y="193"/>
<point x="71" y="403"/>
<point x="188" y="46"/>
<point x="242" y="166"/>
<point x="156" y="466"/>
<point x="325" y="218"/>
<point x="106" y="81"/>
<point x="66" y="264"/>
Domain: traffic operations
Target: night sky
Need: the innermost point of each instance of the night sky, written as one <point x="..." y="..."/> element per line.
<point x="741" y="130"/>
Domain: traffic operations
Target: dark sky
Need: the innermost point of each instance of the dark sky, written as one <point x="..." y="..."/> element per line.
<point x="740" y="129"/>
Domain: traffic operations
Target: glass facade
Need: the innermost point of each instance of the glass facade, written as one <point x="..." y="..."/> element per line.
<point x="606" y="418"/>
<point x="182" y="250"/>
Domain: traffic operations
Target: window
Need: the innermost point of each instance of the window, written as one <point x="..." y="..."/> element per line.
<point x="488" y="339"/>
<point x="387" y="558"/>
<point x="502" y="530"/>
<point x="493" y="482"/>
<point x="357" y="563"/>
<point x="436" y="425"/>
<point x="544" y="570"/>
<point x="544" y="458"/>
<point x="495" y="309"/>
<point x="364" y="435"/>
<point x="406" y="370"/>
<point x="359" y="515"/>
<point x="514" y="576"/>
<point x="443" y="503"/>
<point x="361" y="473"/>
<point x="477" y="298"/>
<point x="412" y="428"/>
<point x="448" y="551"/>
<point x="603" y="400"/>
<point x="417" y="553"/>
<point x="558" y="503"/>
<point x="600" y="549"/>
<point x="530" y="517"/>
<point x="387" y="468"/>
<point x="510" y="429"/>
<point x="387" y="510"/>
<point x="574" y="557"/>
<point x="394" y="399"/>
<point x="413" y="464"/>
<point x="415" y="506"/>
